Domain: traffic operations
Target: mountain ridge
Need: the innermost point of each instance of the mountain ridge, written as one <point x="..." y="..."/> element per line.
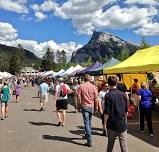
<point x="102" y="44"/>
<point x="7" y="51"/>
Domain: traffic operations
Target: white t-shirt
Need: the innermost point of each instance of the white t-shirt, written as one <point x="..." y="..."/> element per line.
<point x="58" y="90"/>
<point x="101" y="96"/>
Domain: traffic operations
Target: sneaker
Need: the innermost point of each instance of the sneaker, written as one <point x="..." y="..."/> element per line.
<point x="75" y="110"/>
<point x="84" y="136"/>
<point x="104" y="133"/>
<point x="6" y="116"/>
<point x="151" y="135"/>
<point x="41" y="109"/>
<point x="2" y="118"/>
<point x="142" y="131"/>
<point x="59" y="124"/>
<point x="88" y="145"/>
<point x="62" y="124"/>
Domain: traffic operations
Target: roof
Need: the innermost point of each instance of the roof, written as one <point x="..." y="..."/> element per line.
<point x="145" y="60"/>
<point x="90" y="68"/>
<point x="109" y="63"/>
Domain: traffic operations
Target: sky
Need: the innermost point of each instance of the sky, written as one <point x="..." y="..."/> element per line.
<point x="69" y="24"/>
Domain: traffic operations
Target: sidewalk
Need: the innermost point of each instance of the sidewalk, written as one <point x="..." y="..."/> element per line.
<point x="28" y="130"/>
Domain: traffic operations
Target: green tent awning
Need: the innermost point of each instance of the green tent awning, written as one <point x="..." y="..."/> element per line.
<point x="99" y="71"/>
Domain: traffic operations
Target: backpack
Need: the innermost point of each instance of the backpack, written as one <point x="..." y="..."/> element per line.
<point x="63" y="90"/>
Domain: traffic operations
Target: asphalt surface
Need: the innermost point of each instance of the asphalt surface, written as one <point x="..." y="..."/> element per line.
<point x="28" y="130"/>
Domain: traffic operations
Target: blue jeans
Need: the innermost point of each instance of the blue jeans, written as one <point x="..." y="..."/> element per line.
<point x="87" y="117"/>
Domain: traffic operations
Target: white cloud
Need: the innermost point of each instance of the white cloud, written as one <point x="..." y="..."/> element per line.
<point x="40" y="16"/>
<point x="39" y="49"/>
<point x="82" y="13"/>
<point x="18" y="6"/>
<point x="148" y="29"/>
<point x="144" y="2"/>
<point x="89" y="15"/>
<point x="7" y="31"/>
<point x="24" y="17"/>
<point x="46" y="6"/>
<point x="124" y="17"/>
<point x="8" y="36"/>
<point x="35" y="7"/>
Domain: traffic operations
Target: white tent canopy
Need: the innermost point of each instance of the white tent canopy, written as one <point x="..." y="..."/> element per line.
<point x="67" y="71"/>
<point x="1" y="77"/>
<point x="59" y="72"/>
<point x="49" y="73"/>
<point x="76" y="69"/>
<point x="5" y="75"/>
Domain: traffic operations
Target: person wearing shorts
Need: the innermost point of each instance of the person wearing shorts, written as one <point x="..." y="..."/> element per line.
<point x="5" y="96"/>
<point x="44" y="88"/>
<point x="61" y="102"/>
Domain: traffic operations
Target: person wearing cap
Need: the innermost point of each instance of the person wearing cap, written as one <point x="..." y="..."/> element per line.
<point x="61" y="102"/>
<point x="100" y="83"/>
<point x="87" y="96"/>
<point x="43" y="88"/>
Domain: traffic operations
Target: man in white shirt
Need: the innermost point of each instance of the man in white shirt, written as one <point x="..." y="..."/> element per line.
<point x="62" y="90"/>
<point x="43" y="88"/>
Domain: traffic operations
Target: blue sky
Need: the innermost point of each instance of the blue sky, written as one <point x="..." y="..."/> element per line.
<point x="68" y="24"/>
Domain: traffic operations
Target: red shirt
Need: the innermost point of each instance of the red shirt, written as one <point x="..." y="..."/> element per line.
<point x="135" y="88"/>
<point x="87" y="93"/>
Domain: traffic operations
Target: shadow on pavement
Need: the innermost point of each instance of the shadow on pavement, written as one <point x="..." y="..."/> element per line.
<point x="63" y="139"/>
<point x="93" y="128"/>
<point x="132" y="126"/>
<point x="70" y="111"/>
<point x="42" y="124"/>
<point x="81" y="132"/>
<point x="133" y="129"/>
<point x="35" y="97"/>
<point x="30" y="110"/>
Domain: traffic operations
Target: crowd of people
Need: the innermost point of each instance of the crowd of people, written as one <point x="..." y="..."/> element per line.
<point x="109" y="98"/>
<point x="12" y="86"/>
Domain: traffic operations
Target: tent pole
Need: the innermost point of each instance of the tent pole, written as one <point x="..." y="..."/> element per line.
<point x="147" y="82"/>
<point x="130" y="86"/>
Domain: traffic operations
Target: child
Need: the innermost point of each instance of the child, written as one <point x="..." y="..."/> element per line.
<point x="131" y="109"/>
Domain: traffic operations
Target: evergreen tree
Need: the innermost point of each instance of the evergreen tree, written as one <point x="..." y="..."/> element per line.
<point x="58" y="57"/>
<point x="124" y="54"/>
<point x="21" y="54"/>
<point x="17" y="60"/>
<point x="63" y="57"/>
<point x="105" y="59"/>
<point x="48" y="60"/>
<point x="144" y="44"/>
<point x="88" y="62"/>
<point x="14" y="65"/>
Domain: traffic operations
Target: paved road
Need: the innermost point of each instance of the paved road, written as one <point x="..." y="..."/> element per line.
<point x="28" y="130"/>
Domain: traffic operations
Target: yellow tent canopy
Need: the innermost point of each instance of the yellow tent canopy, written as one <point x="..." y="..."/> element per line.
<point x="145" y="60"/>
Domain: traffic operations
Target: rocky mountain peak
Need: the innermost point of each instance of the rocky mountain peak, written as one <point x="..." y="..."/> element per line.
<point x="102" y="45"/>
<point x="104" y="37"/>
